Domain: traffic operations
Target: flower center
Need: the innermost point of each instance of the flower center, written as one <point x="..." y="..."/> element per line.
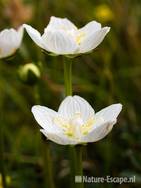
<point x="75" y="127"/>
<point x="80" y="37"/>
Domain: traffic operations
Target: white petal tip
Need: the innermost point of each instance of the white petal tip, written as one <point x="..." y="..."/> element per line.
<point x="106" y="29"/>
<point x="119" y="105"/>
<point x="26" y="26"/>
<point x="34" y="108"/>
<point x="117" y="108"/>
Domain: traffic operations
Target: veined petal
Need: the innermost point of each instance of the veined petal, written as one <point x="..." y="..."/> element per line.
<point x="76" y="105"/>
<point x="99" y="132"/>
<point x="60" y="24"/>
<point x="105" y="119"/>
<point x="45" y="117"/>
<point x="109" y="113"/>
<point x="93" y="39"/>
<point x="59" y="42"/>
<point x="35" y="35"/>
<point x="9" y="42"/>
<point x="91" y="27"/>
<point x="58" y="138"/>
<point x="87" y="30"/>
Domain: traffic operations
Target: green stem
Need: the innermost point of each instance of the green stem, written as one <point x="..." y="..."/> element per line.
<point x="48" y="172"/>
<point x="68" y="78"/>
<point x="2" y="168"/>
<point x="47" y="160"/>
<point x="78" y="165"/>
<point x="75" y="153"/>
<point x="72" y="158"/>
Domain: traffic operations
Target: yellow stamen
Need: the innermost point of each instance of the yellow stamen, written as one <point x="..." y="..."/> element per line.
<point x="80" y="37"/>
<point x="85" y="129"/>
<point x="70" y="131"/>
<point x="61" y="122"/>
<point x="71" y="128"/>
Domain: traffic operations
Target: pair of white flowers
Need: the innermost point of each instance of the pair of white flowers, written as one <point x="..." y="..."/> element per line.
<point x="61" y="37"/>
<point x="76" y="121"/>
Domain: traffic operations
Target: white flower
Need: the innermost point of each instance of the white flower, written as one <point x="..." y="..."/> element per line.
<point x="62" y="37"/>
<point x="10" y="41"/>
<point x="76" y="122"/>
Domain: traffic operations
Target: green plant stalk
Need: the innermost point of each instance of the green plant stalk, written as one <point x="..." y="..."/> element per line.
<point x="2" y="165"/>
<point x="74" y="153"/>
<point x="2" y="169"/>
<point x="47" y="161"/>
<point x="68" y="78"/>
<point x="79" y="166"/>
<point x="72" y="159"/>
<point x="48" y="170"/>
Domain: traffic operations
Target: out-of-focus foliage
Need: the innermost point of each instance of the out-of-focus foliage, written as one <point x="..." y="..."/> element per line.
<point x="111" y="74"/>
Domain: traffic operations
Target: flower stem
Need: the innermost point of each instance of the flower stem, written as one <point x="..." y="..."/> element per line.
<point x="72" y="158"/>
<point x="49" y="183"/>
<point x="75" y="153"/>
<point x="78" y="165"/>
<point x="2" y="169"/>
<point x="47" y="161"/>
<point x="68" y="78"/>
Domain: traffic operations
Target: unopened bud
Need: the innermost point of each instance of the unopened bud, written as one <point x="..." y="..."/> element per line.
<point x="29" y="73"/>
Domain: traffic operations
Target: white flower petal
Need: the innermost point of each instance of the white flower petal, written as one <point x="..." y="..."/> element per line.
<point x="59" y="42"/>
<point x="109" y="113"/>
<point x="73" y="105"/>
<point x="10" y="41"/>
<point x="60" y="24"/>
<point x="34" y="34"/>
<point x="58" y="138"/>
<point x="105" y="119"/>
<point x="8" y="46"/>
<point x="20" y="33"/>
<point x="99" y="132"/>
<point x="93" y="39"/>
<point x="91" y="27"/>
<point x="44" y="116"/>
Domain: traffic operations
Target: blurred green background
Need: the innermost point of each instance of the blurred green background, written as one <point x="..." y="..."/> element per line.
<point x="111" y="74"/>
